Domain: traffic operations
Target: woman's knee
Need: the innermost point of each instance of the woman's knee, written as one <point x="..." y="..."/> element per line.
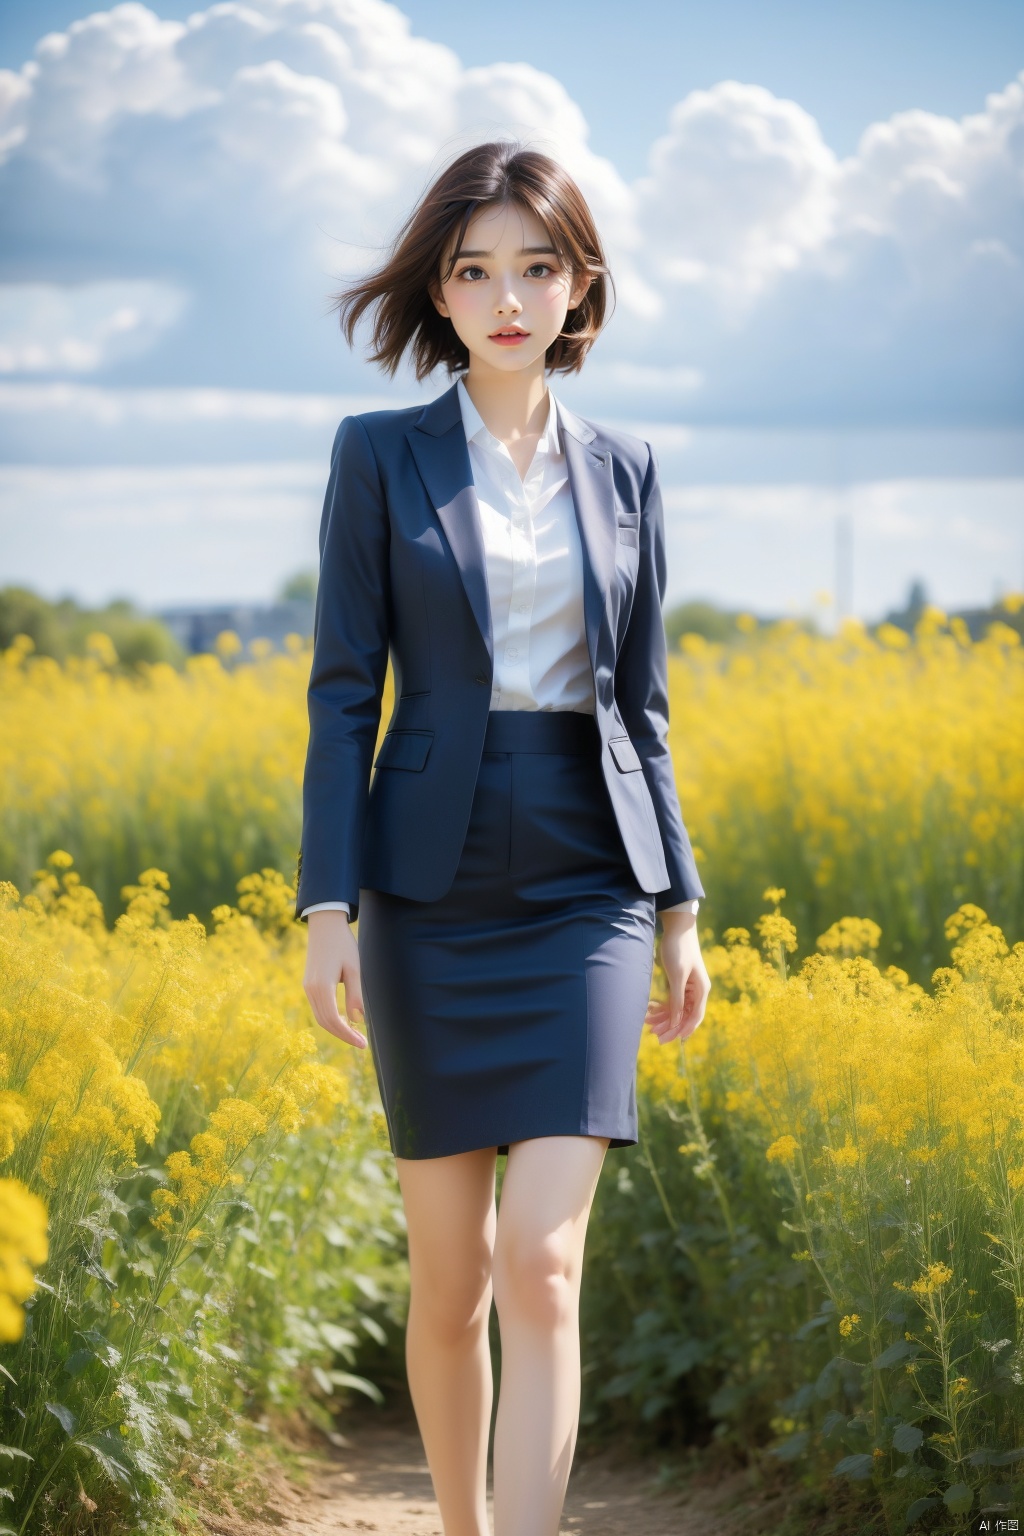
<point x="452" y="1296"/>
<point x="536" y="1280"/>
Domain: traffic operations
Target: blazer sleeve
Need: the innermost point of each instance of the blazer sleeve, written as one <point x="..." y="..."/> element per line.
<point x="641" y="692"/>
<point x="351" y="625"/>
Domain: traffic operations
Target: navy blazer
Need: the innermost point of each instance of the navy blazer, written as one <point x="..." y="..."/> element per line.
<point x="402" y="570"/>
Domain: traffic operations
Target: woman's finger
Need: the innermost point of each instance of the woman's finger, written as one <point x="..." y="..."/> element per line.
<point x="325" y="1010"/>
<point x="678" y="997"/>
<point x="345" y="1032"/>
<point x="352" y="982"/>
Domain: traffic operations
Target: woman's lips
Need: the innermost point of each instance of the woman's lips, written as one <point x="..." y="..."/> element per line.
<point x="509" y="340"/>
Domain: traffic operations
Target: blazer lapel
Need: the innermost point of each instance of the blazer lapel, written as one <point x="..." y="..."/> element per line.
<point x="590" y="480"/>
<point x="439" y="447"/>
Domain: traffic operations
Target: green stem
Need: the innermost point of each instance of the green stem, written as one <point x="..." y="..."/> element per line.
<point x="42" y="1484"/>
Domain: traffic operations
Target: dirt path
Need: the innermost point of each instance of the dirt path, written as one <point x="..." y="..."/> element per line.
<point x="378" y="1481"/>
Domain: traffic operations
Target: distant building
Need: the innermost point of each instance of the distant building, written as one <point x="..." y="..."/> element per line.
<point x="196" y="626"/>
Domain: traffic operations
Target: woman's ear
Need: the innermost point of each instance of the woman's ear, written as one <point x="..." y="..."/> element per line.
<point x="434" y="289"/>
<point x="579" y="290"/>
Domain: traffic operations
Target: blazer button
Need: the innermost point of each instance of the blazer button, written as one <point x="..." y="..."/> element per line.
<point x="480" y="678"/>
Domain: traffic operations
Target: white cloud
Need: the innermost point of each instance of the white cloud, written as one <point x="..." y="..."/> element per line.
<point x="160" y="533"/>
<point x="45" y="328"/>
<point x="252" y="154"/>
<point x="127" y="407"/>
<point x="739" y="189"/>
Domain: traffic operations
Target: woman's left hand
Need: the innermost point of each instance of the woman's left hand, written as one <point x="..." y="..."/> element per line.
<point x="688" y="980"/>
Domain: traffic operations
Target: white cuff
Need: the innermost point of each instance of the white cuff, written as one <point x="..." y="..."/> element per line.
<point x="684" y="906"/>
<point x="328" y="906"/>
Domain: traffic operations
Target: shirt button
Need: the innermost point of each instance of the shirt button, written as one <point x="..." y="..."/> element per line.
<point x="512" y="654"/>
<point x="520" y="608"/>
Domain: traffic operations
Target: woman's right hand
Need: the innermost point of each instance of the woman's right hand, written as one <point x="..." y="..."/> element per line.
<point x="332" y="956"/>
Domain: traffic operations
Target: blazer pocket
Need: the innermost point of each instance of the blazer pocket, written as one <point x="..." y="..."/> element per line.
<point x="625" y="754"/>
<point x="404" y="749"/>
<point x="629" y="535"/>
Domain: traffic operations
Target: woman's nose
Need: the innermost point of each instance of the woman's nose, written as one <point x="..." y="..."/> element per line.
<point x="509" y="304"/>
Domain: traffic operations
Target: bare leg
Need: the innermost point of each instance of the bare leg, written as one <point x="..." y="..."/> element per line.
<point x="449" y="1208"/>
<point x="546" y="1197"/>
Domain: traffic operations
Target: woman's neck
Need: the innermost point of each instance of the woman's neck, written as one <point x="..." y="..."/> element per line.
<point x="513" y="406"/>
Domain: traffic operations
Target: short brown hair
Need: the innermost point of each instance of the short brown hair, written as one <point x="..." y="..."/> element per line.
<point x="398" y="293"/>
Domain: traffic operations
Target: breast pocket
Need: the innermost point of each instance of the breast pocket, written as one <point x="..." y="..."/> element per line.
<point x="629" y="533"/>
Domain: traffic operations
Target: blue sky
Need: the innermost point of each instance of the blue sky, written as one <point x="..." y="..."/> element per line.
<point x="815" y="216"/>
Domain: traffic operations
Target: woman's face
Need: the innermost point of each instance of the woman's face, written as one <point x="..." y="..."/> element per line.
<point x="507" y="296"/>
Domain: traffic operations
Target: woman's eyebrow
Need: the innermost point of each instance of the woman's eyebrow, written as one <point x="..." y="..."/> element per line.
<point x="528" y="250"/>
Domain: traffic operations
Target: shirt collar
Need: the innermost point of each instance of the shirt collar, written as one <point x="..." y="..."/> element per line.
<point x="476" y="429"/>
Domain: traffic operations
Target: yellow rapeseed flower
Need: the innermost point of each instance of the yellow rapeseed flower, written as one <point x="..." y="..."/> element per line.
<point x="783" y="1150"/>
<point x="23" y="1246"/>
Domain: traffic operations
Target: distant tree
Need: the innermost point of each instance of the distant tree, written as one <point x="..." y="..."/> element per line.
<point x="301" y="585"/>
<point x="24" y="612"/>
<point x="61" y="629"/>
<point x="699" y="618"/>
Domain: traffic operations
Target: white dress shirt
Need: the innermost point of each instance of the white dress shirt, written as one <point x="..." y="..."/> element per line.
<point x="534" y="568"/>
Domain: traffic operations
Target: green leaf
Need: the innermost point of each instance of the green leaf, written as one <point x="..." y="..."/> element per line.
<point x="828" y="1380"/>
<point x="357" y="1384"/>
<point x="856" y="1466"/>
<point x="958" y="1498"/>
<point x="653" y="1406"/>
<point x="15" y="1450"/>
<point x="792" y="1447"/>
<point x="806" y="1329"/>
<point x="374" y="1329"/>
<point x="1005" y="1458"/>
<point x="338" y="1338"/>
<point x="367" y="1285"/>
<point x="77" y="1362"/>
<point x="921" y="1507"/>
<point x="64" y="1417"/>
<point x="906" y="1438"/>
<point x="903" y="1349"/>
<point x="109" y="1451"/>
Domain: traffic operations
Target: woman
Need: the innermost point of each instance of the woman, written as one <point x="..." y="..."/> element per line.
<point x="522" y="827"/>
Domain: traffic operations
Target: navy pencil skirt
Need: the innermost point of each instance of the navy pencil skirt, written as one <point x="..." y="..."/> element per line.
<point x="512" y="1007"/>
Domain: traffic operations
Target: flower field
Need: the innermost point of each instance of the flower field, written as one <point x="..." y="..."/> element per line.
<point x="819" y="1244"/>
<point x="201" y="1185"/>
<point x="816" y="1254"/>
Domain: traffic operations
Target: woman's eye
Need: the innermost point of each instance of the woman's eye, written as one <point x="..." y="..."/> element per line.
<point x="539" y="269"/>
<point x="473" y="273"/>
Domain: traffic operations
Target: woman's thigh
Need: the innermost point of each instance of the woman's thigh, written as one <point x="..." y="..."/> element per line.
<point x="451" y="1218"/>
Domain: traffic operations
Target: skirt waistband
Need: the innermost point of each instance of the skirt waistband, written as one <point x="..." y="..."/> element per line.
<point x="541" y="730"/>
